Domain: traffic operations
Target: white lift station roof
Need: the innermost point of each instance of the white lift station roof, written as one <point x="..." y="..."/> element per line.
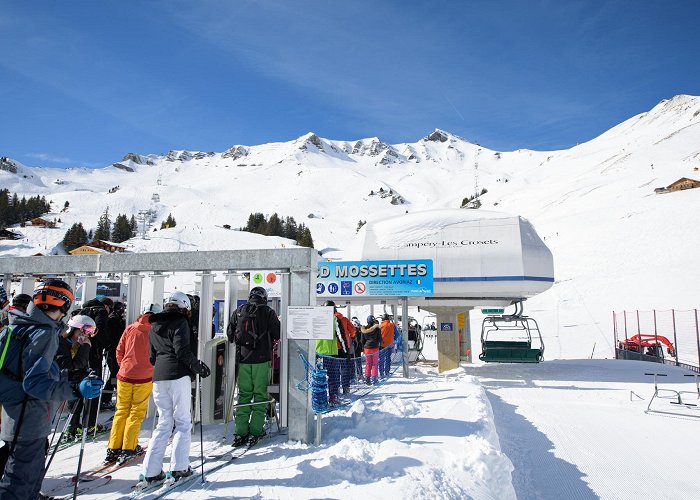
<point x="480" y="258"/>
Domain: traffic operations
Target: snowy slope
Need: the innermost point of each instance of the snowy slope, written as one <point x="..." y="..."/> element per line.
<point x="615" y="243"/>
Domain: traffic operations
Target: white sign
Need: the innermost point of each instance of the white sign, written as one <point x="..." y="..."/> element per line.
<point x="310" y="322"/>
<point x="269" y="280"/>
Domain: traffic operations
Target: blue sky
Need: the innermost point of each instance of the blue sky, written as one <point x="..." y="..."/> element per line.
<point x="82" y="83"/>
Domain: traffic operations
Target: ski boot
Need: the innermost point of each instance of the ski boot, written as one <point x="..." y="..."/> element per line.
<point x="145" y="482"/>
<point x="239" y="440"/>
<point x="127" y="455"/>
<point x="112" y="456"/>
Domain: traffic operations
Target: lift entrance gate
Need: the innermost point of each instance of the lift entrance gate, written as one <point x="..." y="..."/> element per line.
<point x="297" y="270"/>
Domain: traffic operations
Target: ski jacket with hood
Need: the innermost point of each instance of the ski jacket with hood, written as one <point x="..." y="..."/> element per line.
<point x="348" y="334"/>
<point x="267" y="327"/>
<point x="372" y="335"/>
<point x="133" y="352"/>
<point x="96" y="310"/>
<point x="170" y="354"/>
<point x="43" y="383"/>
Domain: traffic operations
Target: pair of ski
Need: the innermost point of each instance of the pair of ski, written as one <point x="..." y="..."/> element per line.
<point x="67" y="444"/>
<point x="163" y="488"/>
<point x="95" y="477"/>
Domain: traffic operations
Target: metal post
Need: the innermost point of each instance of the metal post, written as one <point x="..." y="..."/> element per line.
<point x="404" y="334"/>
<point x="27" y="285"/>
<point x="284" y="352"/>
<point x="133" y="301"/>
<point x="624" y="315"/>
<point x="697" y="335"/>
<point x="656" y="334"/>
<point x="89" y="287"/>
<point x="615" y="335"/>
<point x="71" y="280"/>
<point x="675" y="340"/>
<point x="639" y="331"/>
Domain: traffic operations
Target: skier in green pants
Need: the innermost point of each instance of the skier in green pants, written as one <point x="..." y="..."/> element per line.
<point x="254" y="327"/>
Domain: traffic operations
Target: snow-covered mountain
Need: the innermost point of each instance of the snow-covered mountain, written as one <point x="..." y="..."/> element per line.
<point x="615" y="243"/>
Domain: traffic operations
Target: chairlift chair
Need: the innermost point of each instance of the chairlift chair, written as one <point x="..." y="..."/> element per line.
<point x="508" y="338"/>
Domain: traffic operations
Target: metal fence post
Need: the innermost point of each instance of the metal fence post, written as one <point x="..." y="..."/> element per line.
<point x="639" y="331"/>
<point x="615" y="334"/>
<point x="656" y="333"/>
<point x="697" y="335"/>
<point x="675" y="339"/>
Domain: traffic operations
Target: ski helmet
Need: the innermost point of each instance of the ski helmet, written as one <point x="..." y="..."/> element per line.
<point x="180" y="300"/>
<point x="21" y="301"/>
<point x="258" y="293"/>
<point x="53" y="293"/>
<point x="371" y="319"/>
<point x="84" y="323"/>
<point x="152" y="309"/>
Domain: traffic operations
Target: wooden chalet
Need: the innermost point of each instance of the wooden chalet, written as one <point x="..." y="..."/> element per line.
<point x="683" y="183"/>
<point x="40" y="222"/>
<point x="108" y="246"/>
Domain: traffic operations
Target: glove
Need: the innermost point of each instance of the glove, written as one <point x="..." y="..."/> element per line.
<point x="90" y="387"/>
<point x="83" y="339"/>
<point x="202" y="369"/>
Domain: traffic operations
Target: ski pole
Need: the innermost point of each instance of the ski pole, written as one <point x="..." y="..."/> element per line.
<point x="201" y="430"/>
<point x="99" y="400"/>
<point x="60" y="437"/>
<point x="86" y="417"/>
<point x="58" y="413"/>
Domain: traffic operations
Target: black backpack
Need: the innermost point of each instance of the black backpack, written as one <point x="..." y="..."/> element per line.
<point x="245" y="334"/>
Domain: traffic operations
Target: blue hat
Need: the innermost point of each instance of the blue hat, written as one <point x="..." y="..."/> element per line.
<point x="370" y="319"/>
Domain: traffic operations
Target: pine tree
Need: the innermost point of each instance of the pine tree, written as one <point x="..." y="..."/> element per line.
<point x="168" y="222"/>
<point x="133" y="225"/>
<point x="122" y="229"/>
<point x="305" y="239"/>
<point x="274" y="226"/>
<point x="75" y="237"/>
<point x="290" y="228"/>
<point x="104" y="227"/>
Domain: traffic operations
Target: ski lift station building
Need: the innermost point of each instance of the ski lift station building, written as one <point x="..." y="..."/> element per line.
<point x="480" y="259"/>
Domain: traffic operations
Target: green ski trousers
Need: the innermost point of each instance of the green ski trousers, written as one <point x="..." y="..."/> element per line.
<point x="252" y="388"/>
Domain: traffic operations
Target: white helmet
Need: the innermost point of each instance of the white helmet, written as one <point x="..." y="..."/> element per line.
<point x="152" y="308"/>
<point x="179" y="299"/>
<point x="83" y="322"/>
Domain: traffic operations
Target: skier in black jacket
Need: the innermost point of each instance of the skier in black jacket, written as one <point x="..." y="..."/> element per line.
<point x="254" y="365"/>
<point x="174" y="367"/>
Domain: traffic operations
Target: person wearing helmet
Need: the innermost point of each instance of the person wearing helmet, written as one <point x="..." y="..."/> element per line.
<point x="99" y="312"/>
<point x="254" y="327"/>
<point x="174" y="367"/>
<point x="28" y="395"/>
<point x="74" y="344"/>
<point x="134" y="386"/>
<point x="20" y="302"/>
<point x="372" y="339"/>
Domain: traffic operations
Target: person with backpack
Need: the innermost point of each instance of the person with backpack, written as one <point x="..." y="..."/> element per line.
<point x="327" y="351"/>
<point x="254" y="327"/>
<point x="134" y="386"/>
<point x="372" y="336"/>
<point x="174" y="367"/>
<point x="31" y="384"/>
<point x="345" y="350"/>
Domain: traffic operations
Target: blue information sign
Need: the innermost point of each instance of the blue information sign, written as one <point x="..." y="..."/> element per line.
<point x="375" y="278"/>
<point x="446" y="327"/>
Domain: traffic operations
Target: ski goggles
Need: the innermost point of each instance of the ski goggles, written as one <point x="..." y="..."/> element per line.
<point x="88" y="330"/>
